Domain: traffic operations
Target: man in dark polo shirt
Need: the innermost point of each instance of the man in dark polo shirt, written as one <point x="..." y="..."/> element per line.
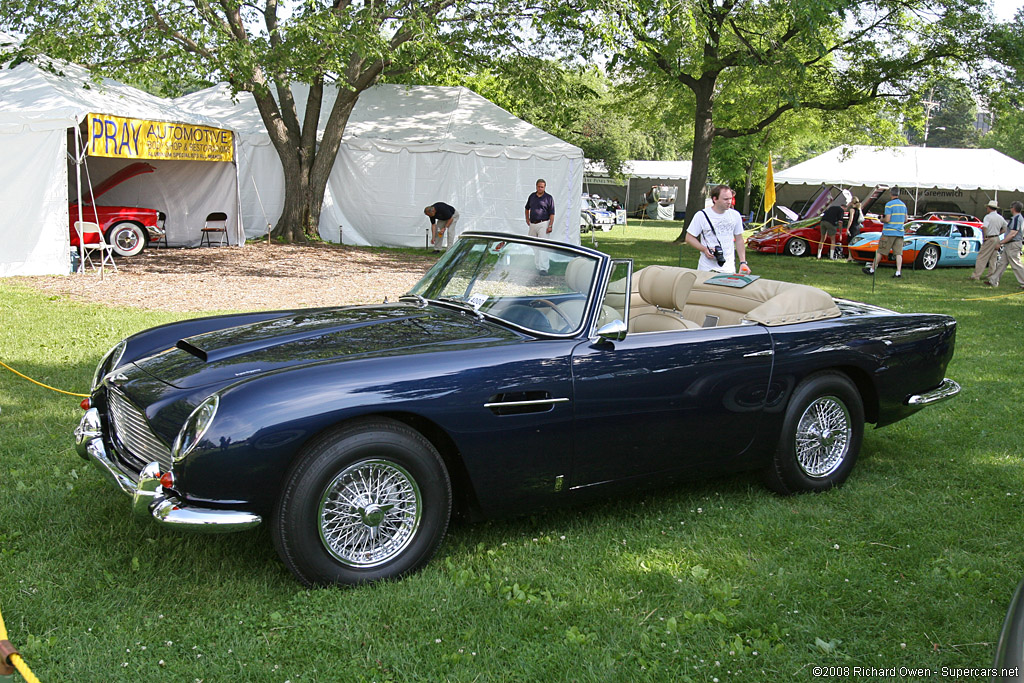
<point x="540" y="219"/>
<point x="830" y="222"/>
<point x="448" y="216"/>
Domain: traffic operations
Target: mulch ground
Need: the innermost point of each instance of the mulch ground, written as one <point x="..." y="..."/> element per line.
<point x="252" y="277"/>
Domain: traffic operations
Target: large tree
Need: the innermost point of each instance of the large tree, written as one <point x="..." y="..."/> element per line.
<point x="262" y="47"/>
<point x="1003" y="86"/>
<point x="741" y="65"/>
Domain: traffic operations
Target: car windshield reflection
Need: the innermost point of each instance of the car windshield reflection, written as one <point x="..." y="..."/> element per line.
<point x="538" y="288"/>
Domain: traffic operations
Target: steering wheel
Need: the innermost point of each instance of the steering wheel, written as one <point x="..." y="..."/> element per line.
<point x="554" y="307"/>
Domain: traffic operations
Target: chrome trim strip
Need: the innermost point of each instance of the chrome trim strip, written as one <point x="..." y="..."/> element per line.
<point x="536" y="402"/>
<point x="948" y="389"/>
<point x="754" y="354"/>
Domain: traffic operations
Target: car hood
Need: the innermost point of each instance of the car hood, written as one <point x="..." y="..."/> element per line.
<point x="318" y="336"/>
<point x="126" y="173"/>
<point x="775" y="231"/>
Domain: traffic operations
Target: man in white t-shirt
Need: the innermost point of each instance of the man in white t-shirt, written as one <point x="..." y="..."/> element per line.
<point x="721" y="225"/>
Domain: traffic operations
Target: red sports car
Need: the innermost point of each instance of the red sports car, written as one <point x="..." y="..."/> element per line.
<point x="801" y="237"/>
<point x="127" y="228"/>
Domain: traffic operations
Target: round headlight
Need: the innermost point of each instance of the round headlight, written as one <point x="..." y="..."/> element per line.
<point x="109" y="362"/>
<point x="194" y="428"/>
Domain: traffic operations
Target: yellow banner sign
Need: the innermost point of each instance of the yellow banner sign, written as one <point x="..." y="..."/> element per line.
<point x="124" y="138"/>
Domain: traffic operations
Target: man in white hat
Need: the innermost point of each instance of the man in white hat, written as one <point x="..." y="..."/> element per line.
<point x="1011" y="245"/>
<point x="993" y="226"/>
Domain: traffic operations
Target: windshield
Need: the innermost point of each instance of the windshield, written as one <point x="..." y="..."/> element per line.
<point x="542" y="289"/>
<point x="928" y="229"/>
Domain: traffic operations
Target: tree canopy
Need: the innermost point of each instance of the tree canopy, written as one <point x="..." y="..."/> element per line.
<point x="741" y="66"/>
<point x="338" y="48"/>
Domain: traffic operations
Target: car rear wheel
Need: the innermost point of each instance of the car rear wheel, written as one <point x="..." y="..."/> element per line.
<point x="369" y="501"/>
<point x="796" y="247"/>
<point x="821" y="436"/>
<point x="128" y="239"/>
<point x="928" y="258"/>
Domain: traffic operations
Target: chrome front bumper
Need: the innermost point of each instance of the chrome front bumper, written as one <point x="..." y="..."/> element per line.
<point x="148" y="497"/>
<point x="948" y="389"/>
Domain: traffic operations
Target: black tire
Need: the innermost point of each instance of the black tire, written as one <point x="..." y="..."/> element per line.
<point x="821" y="436"/>
<point x="928" y="257"/>
<point x="390" y="521"/>
<point x="127" y="239"/>
<point x="797" y="247"/>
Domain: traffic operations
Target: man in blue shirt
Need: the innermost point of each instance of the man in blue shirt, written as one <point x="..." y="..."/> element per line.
<point x="540" y="214"/>
<point x="893" y="219"/>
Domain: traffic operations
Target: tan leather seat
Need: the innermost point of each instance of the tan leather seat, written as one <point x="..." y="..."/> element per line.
<point x="579" y="274"/>
<point x="664" y="292"/>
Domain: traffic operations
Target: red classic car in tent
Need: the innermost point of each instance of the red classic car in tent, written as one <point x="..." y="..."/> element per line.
<point x="127" y="228"/>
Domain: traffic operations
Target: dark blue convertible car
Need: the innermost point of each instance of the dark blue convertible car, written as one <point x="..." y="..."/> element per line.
<point x="518" y="373"/>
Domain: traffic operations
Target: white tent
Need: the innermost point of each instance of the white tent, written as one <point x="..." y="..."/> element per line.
<point x="640" y="176"/>
<point x="406" y="147"/>
<point x="929" y="176"/>
<point x="38" y="108"/>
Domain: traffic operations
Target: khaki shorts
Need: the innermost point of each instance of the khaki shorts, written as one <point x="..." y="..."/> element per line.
<point x="890" y="242"/>
<point x="828" y="229"/>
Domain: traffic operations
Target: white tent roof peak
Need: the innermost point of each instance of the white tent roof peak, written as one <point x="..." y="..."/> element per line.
<point x="398" y="118"/>
<point x="40" y="97"/>
<point x="944" y="168"/>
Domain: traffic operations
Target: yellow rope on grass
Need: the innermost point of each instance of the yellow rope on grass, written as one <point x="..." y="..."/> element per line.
<point x="997" y="296"/>
<point x="14" y="658"/>
<point x="47" y="386"/>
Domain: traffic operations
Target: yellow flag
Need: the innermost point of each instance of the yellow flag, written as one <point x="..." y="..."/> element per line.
<point x="769" y="187"/>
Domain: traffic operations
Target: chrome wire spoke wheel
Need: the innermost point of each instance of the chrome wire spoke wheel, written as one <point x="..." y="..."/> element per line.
<point x="369" y="513"/>
<point x="823" y="436"/>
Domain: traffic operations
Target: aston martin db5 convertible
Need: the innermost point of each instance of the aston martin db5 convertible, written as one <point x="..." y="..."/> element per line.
<point x="518" y="373"/>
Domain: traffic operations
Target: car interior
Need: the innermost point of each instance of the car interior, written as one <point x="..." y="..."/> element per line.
<point x="668" y="298"/>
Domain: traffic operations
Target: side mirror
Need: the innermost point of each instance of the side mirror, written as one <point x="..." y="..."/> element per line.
<point x="613" y="331"/>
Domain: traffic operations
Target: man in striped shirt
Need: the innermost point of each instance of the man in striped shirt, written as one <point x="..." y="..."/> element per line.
<point x="893" y="219"/>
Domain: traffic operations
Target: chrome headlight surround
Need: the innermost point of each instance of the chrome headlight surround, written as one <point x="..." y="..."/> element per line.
<point x="108" y="363"/>
<point x="194" y="428"/>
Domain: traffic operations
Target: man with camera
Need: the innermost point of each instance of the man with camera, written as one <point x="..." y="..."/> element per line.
<point x="717" y="233"/>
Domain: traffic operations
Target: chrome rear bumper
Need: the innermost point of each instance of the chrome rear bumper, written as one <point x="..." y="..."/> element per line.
<point x="148" y="496"/>
<point x="948" y="389"/>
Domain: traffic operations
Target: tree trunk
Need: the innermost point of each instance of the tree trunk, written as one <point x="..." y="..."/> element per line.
<point x="749" y="186"/>
<point x="703" y="132"/>
<point x="306" y="164"/>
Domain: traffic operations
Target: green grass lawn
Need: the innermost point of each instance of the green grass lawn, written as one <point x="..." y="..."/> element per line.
<point x="910" y="564"/>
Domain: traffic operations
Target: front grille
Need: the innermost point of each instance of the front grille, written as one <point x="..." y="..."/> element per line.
<point x="131" y="430"/>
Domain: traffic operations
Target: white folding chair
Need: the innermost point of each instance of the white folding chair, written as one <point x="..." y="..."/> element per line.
<point x="106" y="251"/>
<point x="216" y="222"/>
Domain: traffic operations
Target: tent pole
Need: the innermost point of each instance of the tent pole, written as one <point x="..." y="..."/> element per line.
<point x="78" y="189"/>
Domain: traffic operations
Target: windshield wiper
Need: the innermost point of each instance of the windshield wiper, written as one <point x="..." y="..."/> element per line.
<point x="415" y="297"/>
<point x="461" y="303"/>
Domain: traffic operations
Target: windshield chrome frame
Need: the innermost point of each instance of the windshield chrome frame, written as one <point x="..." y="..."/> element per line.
<point x="596" y="293"/>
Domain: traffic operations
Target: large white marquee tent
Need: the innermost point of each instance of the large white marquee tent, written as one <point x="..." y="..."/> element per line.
<point x="930" y="177"/>
<point x="406" y="147"/>
<point x="39" y="111"/>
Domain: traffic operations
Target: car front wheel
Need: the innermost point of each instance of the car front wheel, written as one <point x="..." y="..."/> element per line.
<point x="127" y="239"/>
<point x="821" y="436"/>
<point x="796" y="247"/>
<point x="369" y="501"/>
<point x="928" y="259"/>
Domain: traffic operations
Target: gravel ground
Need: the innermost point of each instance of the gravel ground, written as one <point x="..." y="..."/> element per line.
<point x="252" y="277"/>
